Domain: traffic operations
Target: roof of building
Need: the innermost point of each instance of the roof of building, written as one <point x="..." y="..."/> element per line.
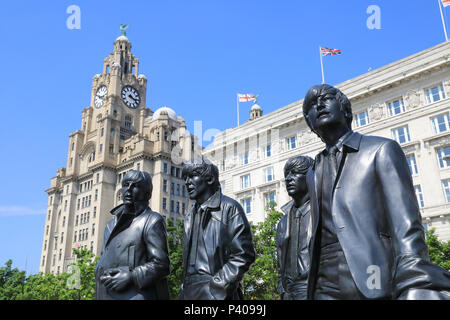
<point x="165" y="110"/>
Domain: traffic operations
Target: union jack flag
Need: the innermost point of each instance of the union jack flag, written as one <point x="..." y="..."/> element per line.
<point x="327" y="51"/>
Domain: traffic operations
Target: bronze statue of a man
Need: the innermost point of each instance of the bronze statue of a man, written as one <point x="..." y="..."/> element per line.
<point x="367" y="239"/>
<point x="134" y="263"/>
<point x="293" y="232"/>
<point x="217" y="239"/>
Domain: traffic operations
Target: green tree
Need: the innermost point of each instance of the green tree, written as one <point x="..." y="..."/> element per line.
<point x="439" y="250"/>
<point x="174" y="238"/>
<point x="12" y="282"/>
<point x="261" y="281"/>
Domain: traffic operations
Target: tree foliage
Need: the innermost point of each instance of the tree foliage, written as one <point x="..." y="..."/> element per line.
<point x="261" y="281"/>
<point x="174" y="238"/>
<point x="76" y="285"/>
<point x="439" y="250"/>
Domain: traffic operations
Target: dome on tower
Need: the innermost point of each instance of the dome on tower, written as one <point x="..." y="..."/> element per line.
<point x="256" y="107"/>
<point x="165" y="110"/>
<point x="122" y="38"/>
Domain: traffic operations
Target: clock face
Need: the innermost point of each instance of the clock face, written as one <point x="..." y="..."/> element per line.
<point x="100" y="96"/>
<point x="130" y="97"/>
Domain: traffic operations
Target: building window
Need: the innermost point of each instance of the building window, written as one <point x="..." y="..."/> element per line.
<point x="56" y="242"/>
<point x="183" y="208"/>
<point x="45" y="245"/>
<point x="411" y="159"/>
<point x="62" y="237"/>
<point x="401" y="135"/>
<point x="178" y="190"/>
<point x="268" y="174"/>
<point x="95" y="212"/>
<point x="245" y="181"/>
<point x="49" y="214"/>
<point x="171" y="206"/>
<point x="54" y="259"/>
<point x="75" y="237"/>
<point x="73" y="145"/>
<point x="46" y="231"/>
<point x="64" y="221"/>
<point x="165" y="185"/>
<point x="128" y="121"/>
<point x="96" y="194"/>
<point x="165" y="168"/>
<point x="268" y="198"/>
<point x="43" y="260"/>
<point x="92" y="246"/>
<point x="65" y="205"/>
<point x="396" y="107"/>
<point x="444" y="157"/>
<point x="247" y="205"/>
<point x="244" y="158"/>
<point x="138" y="167"/>
<point x="435" y="94"/>
<point x="164" y="203"/>
<point x="111" y="148"/>
<point x="103" y="131"/>
<point x="76" y="220"/>
<point x="361" y="119"/>
<point x="441" y="123"/>
<point x="101" y="148"/>
<point x="446" y="184"/>
<point x="172" y="188"/>
<point x="178" y="207"/>
<point x="183" y="191"/>
<point x="60" y="254"/>
<point x="268" y="151"/>
<point x="71" y="161"/>
<point x="291" y="142"/>
<point x="98" y="178"/>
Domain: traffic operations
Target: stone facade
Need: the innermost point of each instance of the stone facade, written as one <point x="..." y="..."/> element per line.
<point x="408" y="100"/>
<point x="118" y="133"/>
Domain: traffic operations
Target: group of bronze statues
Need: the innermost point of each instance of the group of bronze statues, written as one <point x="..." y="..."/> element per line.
<point x="351" y="231"/>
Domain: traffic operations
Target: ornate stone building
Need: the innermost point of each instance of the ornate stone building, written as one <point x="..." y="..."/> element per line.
<point x="118" y="133"/>
<point x="408" y="100"/>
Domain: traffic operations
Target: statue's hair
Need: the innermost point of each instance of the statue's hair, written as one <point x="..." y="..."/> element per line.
<point x="143" y="178"/>
<point x="315" y="91"/>
<point x="300" y="164"/>
<point x="203" y="168"/>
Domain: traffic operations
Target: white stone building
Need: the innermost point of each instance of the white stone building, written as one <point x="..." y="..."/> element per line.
<point x="408" y="100"/>
<point x="118" y="133"/>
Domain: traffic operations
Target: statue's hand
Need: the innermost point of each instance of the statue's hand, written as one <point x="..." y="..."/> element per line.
<point x="116" y="279"/>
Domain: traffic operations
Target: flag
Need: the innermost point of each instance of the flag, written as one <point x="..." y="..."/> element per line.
<point x="327" y="51"/>
<point x="445" y="3"/>
<point x="246" y="97"/>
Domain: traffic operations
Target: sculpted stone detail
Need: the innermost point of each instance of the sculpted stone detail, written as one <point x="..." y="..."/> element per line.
<point x="412" y="99"/>
<point x="447" y="87"/>
<point x="377" y="112"/>
<point x="307" y="137"/>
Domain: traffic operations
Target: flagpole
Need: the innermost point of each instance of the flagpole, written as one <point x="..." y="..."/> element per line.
<point x="443" y="21"/>
<point x="237" y="105"/>
<point x="321" y="64"/>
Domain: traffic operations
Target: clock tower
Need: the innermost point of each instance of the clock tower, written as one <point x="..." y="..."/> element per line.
<point x="118" y="133"/>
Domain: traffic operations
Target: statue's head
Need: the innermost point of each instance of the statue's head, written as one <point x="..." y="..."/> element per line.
<point x="136" y="187"/>
<point x="325" y="106"/>
<point x="295" y="171"/>
<point x="201" y="178"/>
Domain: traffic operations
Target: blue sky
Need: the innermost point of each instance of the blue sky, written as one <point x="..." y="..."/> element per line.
<point x="196" y="55"/>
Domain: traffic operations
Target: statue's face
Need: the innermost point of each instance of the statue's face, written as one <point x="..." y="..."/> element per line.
<point x="196" y="185"/>
<point x="325" y="112"/>
<point x="132" y="191"/>
<point x="295" y="183"/>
